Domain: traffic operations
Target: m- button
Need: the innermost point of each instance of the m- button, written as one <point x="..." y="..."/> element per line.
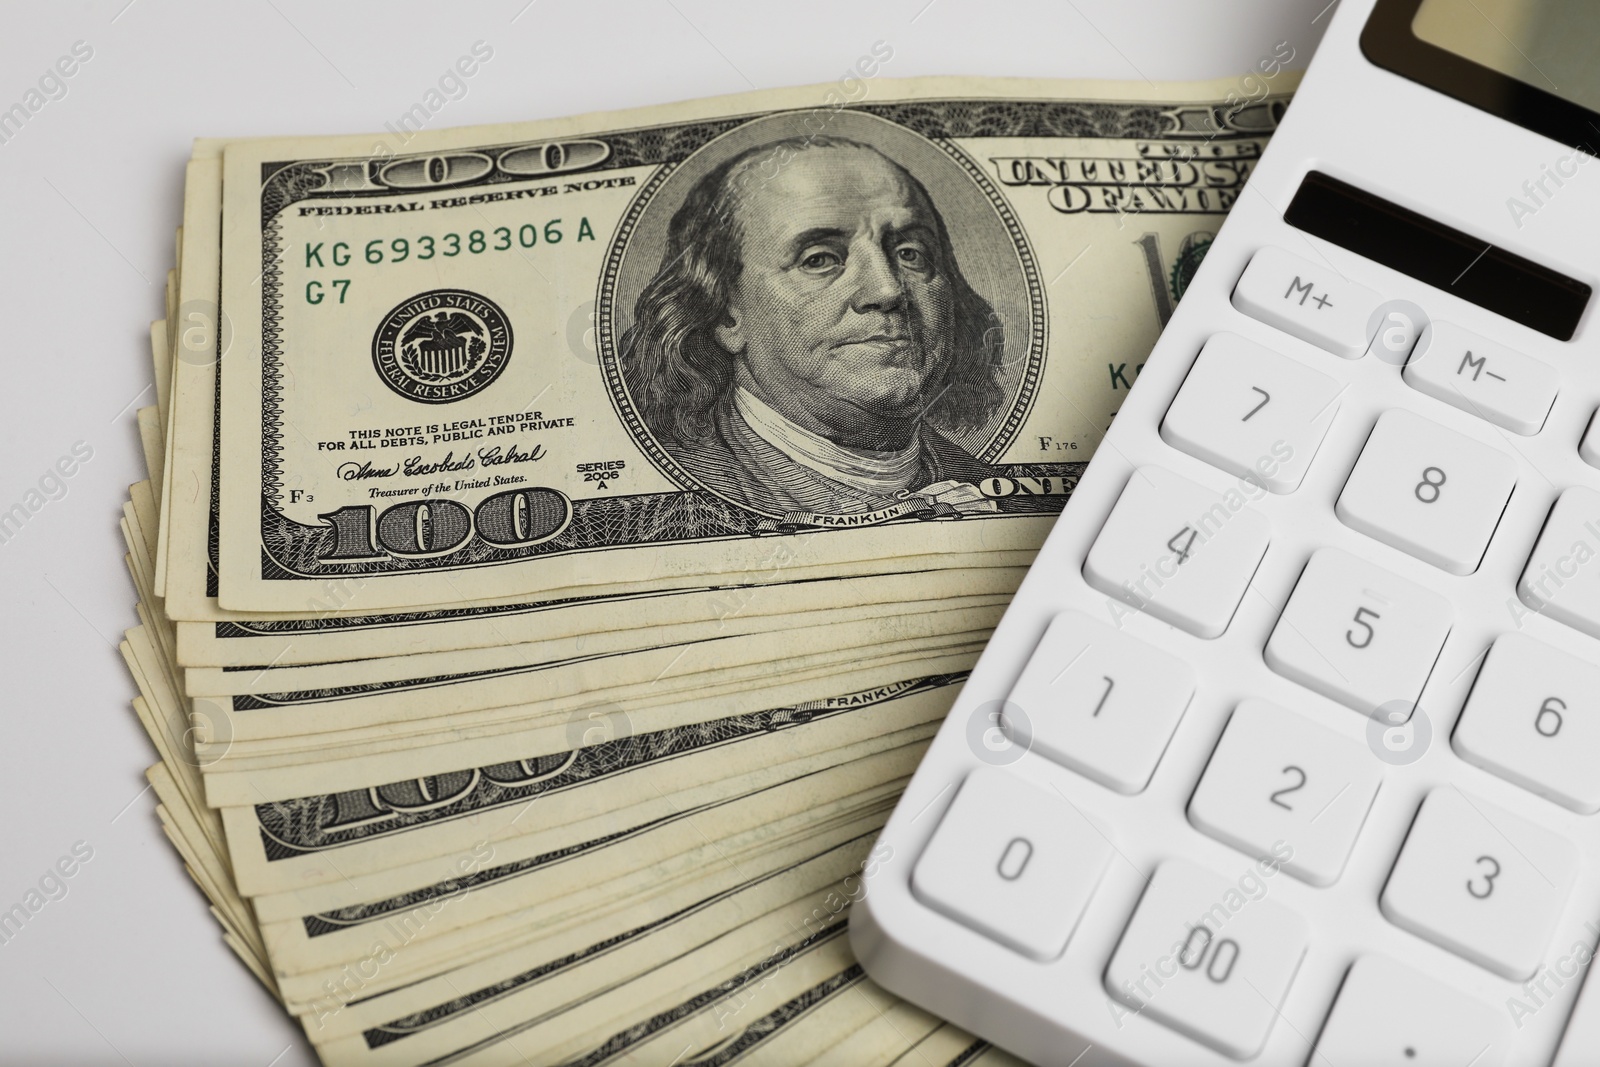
<point x="1478" y="375"/>
<point x="1307" y="300"/>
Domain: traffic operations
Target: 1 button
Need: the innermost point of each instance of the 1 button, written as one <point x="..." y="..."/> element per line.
<point x="1478" y="375"/>
<point x="1100" y="702"/>
<point x="1428" y="491"/>
<point x="1389" y="1015"/>
<point x="1562" y="578"/>
<point x="1281" y="787"/>
<point x="1252" y="412"/>
<point x="1012" y="861"/>
<point x="1209" y="957"/>
<point x="1178" y="551"/>
<point x="1307" y="300"/>
<point x="1484" y="883"/>
<point x="1360" y="635"/>
<point x="1534" y="718"/>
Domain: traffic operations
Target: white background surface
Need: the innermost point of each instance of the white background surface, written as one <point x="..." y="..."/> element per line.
<point x="128" y="967"/>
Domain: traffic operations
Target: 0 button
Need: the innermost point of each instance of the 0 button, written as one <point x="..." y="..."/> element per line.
<point x="1012" y="861"/>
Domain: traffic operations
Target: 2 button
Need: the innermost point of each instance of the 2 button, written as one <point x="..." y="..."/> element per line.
<point x="1281" y="787"/>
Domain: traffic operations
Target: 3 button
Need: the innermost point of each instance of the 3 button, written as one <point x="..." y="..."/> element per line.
<point x="1484" y="883"/>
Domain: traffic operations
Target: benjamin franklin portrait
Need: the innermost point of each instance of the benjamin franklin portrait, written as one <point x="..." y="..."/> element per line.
<point x="809" y="341"/>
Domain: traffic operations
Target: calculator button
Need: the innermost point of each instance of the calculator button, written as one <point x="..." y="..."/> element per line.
<point x="1481" y="376"/>
<point x="1562" y="578"/>
<point x="1307" y="300"/>
<point x="1534" y="718"/>
<point x="1252" y="412"/>
<point x="1582" y="1035"/>
<point x="1209" y="957"/>
<point x="1012" y="861"/>
<point x="1281" y="787"/>
<point x="1389" y="1015"/>
<point x="1358" y="634"/>
<point x="1428" y="491"/>
<point x="1178" y="551"/>
<point x="1484" y="883"/>
<point x="1589" y="447"/>
<point x="1100" y="702"/>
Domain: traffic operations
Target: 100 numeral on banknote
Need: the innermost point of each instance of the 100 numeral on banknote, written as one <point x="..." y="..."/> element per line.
<point x="577" y="357"/>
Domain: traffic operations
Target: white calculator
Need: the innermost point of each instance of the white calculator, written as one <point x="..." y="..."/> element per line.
<point x="1288" y="750"/>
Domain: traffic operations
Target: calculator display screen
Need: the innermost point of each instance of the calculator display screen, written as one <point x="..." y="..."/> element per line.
<point x="1549" y="44"/>
<point x="1531" y="62"/>
<point x="1468" y="267"/>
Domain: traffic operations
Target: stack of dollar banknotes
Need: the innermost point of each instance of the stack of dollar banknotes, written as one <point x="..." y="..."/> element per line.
<point x="562" y="539"/>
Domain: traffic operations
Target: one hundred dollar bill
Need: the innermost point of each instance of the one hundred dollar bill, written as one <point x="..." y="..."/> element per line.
<point x="331" y="837"/>
<point x="639" y="346"/>
<point x="505" y="994"/>
<point x="336" y="620"/>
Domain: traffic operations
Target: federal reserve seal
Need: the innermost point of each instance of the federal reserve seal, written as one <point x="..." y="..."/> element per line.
<point x="442" y="345"/>
<point x="1190" y="253"/>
